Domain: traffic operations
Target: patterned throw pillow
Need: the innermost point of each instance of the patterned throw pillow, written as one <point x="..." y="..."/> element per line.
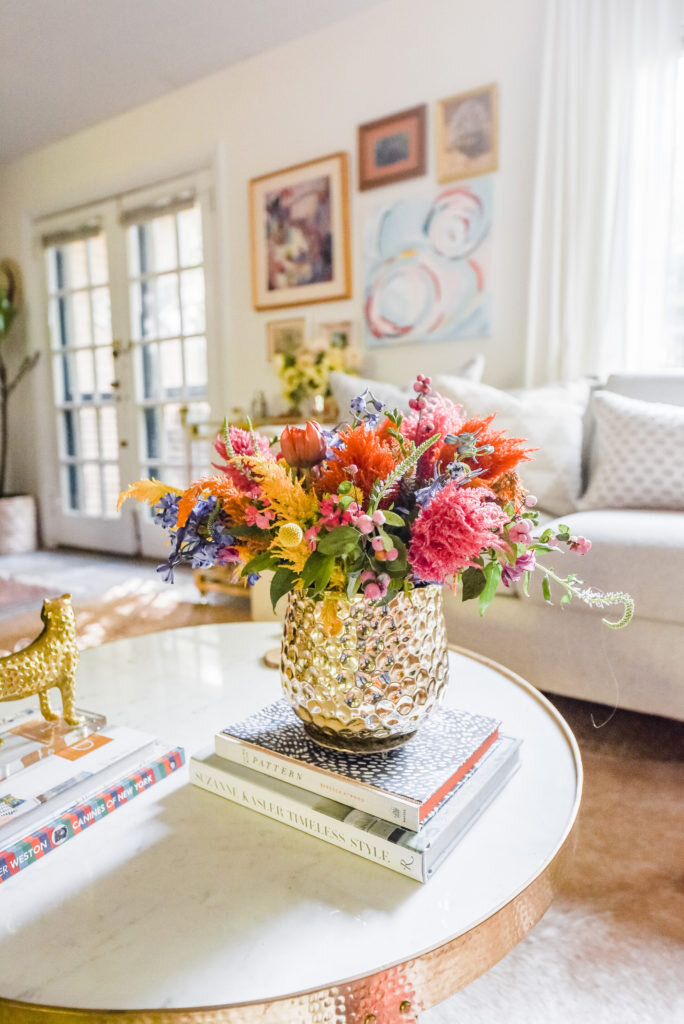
<point x="637" y="458"/>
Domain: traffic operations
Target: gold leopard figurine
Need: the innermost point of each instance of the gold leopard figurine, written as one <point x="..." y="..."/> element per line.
<point x="51" y="660"/>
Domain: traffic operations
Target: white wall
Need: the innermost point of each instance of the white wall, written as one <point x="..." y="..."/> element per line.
<point x="284" y="107"/>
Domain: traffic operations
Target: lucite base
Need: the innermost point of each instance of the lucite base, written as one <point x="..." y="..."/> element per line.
<point x="28" y="737"/>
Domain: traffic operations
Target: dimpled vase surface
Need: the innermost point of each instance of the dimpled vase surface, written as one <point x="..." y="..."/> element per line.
<point x="362" y="676"/>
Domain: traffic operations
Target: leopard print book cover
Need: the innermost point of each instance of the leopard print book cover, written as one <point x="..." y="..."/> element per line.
<point x="414" y="772"/>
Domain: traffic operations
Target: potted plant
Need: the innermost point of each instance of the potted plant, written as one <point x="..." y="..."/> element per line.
<point x="18" y="520"/>
<point x="361" y="526"/>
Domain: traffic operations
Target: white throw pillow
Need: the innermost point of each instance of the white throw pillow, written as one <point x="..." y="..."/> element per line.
<point x="549" y="418"/>
<point x="637" y="458"/>
<point x="345" y="387"/>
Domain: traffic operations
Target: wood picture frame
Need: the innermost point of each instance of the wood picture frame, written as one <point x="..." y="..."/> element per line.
<point x="392" y="148"/>
<point x="467" y="134"/>
<point x="299" y="226"/>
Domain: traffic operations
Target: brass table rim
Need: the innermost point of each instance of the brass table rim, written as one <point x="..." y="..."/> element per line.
<point x="32" y="1012"/>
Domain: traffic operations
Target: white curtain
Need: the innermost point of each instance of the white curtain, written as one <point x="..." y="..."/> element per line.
<point x="603" y="191"/>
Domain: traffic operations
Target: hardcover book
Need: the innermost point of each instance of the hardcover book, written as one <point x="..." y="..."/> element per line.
<point x="414" y="854"/>
<point x="64" y="778"/>
<point x="56" y="831"/>
<point x="402" y="785"/>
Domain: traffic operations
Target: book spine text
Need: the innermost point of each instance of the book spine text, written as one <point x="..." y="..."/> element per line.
<point x="79" y="817"/>
<point x="300" y="816"/>
<point x="403" y="813"/>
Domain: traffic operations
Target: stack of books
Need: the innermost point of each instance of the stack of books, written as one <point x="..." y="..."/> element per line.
<point x="405" y="809"/>
<point x="57" y="780"/>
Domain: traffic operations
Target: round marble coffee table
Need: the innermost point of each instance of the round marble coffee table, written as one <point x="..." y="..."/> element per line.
<point x="182" y="907"/>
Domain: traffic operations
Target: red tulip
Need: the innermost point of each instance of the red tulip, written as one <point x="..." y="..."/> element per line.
<point x="302" y="447"/>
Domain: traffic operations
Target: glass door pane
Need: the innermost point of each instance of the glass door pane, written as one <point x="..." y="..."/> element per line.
<point x="85" y="395"/>
<point x="168" y="336"/>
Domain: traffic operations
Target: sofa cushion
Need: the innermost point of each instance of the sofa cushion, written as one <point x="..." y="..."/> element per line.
<point x="637" y="454"/>
<point x="550" y="418"/>
<point x="633" y="550"/>
<point x="345" y="387"/>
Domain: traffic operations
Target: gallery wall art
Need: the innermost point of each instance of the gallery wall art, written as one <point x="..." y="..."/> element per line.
<point x="392" y="148"/>
<point x="300" y="234"/>
<point x="427" y="266"/>
<point x="467" y="134"/>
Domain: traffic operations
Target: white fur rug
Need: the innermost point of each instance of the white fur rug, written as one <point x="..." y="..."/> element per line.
<point x="611" y="948"/>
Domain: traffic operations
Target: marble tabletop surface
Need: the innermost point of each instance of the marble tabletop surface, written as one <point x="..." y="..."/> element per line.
<point x="182" y="899"/>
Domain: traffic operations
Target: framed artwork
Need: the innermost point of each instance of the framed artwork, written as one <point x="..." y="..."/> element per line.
<point x="427" y="266"/>
<point x="392" y="148"/>
<point x="468" y="134"/>
<point x="340" y="339"/>
<point x="285" y="336"/>
<point x="300" y="234"/>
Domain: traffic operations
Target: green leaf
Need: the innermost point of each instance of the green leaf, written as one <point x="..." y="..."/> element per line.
<point x="492" y="573"/>
<point x="316" y="566"/>
<point x="546" y="589"/>
<point x="282" y="582"/>
<point x="259" y="563"/>
<point x="526" y="583"/>
<point x="242" y="530"/>
<point x="566" y="598"/>
<point x="381" y="487"/>
<point x="546" y="535"/>
<point x="339" y="541"/>
<point x="472" y="583"/>
<point x="392" y="518"/>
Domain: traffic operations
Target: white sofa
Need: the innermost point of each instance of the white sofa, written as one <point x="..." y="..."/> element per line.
<point x="569" y="651"/>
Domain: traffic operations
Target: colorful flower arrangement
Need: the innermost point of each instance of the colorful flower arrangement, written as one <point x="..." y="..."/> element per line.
<point x="374" y="508"/>
<point x="305" y="371"/>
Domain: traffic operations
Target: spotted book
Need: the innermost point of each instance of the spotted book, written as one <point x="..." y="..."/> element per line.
<point x="403" y="786"/>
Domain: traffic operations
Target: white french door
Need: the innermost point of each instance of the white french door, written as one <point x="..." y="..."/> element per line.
<point x="128" y="323"/>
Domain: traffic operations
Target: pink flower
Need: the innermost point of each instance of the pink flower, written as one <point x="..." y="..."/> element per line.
<point x="530" y="500"/>
<point x="552" y="542"/>
<point x="580" y="545"/>
<point x="377" y="544"/>
<point x="512" y="573"/>
<point x="259" y="517"/>
<point x="366" y="576"/>
<point x="457" y="525"/>
<point x="392" y="554"/>
<point x="311" y="536"/>
<point x="378" y="518"/>
<point x="364" y="523"/>
<point x="243" y="445"/>
<point x="228" y="555"/>
<point x="372" y="591"/>
<point x="520" y="532"/>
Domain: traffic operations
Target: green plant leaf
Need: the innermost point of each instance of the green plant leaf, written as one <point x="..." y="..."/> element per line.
<point x="339" y="541"/>
<point x="315" y="566"/>
<point x="546" y="589"/>
<point x="259" y="563"/>
<point x="392" y="518"/>
<point x="282" y="582"/>
<point x="472" y="583"/>
<point x="492" y="571"/>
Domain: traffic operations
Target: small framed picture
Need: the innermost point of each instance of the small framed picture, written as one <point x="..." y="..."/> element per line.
<point x="392" y="148"/>
<point x="300" y="234"/>
<point x="340" y="339"/>
<point x="468" y="134"/>
<point x="285" y="337"/>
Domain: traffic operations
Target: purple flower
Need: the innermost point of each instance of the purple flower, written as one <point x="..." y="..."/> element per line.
<point x="252" y="578"/>
<point x="165" y="511"/>
<point x="512" y="573"/>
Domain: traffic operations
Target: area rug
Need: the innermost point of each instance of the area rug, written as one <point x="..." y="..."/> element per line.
<point x="611" y="948"/>
<point x="129" y="609"/>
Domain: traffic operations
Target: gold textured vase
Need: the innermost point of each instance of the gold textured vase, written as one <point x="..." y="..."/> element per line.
<point x="361" y="676"/>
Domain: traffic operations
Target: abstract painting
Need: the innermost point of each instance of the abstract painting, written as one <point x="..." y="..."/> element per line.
<point x="392" y="148"/>
<point x="427" y="266"/>
<point x="300" y="234"/>
<point x="467" y="134"/>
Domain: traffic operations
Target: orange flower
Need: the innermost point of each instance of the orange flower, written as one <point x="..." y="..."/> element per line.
<point x="374" y="458"/>
<point x="302" y="447"/>
<point x="234" y="501"/>
<point x="509" y="487"/>
<point x="508" y="451"/>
